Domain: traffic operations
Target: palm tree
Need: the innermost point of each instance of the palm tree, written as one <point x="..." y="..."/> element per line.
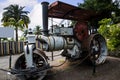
<point x="16" y="17"/>
<point x="37" y="30"/>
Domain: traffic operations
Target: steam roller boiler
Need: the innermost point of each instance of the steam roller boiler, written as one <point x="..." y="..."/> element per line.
<point x="76" y="42"/>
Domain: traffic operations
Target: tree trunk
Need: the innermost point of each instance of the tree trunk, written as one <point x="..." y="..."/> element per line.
<point x="16" y="34"/>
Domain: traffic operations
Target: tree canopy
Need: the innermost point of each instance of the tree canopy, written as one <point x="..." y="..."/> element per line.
<point x="15" y="16"/>
<point x="107" y="19"/>
<point x="104" y="9"/>
<point x="37" y="30"/>
<point x="111" y="32"/>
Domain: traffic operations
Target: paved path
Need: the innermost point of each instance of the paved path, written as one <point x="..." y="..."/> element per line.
<point x="4" y="61"/>
<point x="108" y="71"/>
<point x="4" y="64"/>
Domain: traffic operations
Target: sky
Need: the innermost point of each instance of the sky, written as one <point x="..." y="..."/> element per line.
<point x="34" y="8"/>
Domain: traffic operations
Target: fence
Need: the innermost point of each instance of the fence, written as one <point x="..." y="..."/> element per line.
<point x="16" y="47"/>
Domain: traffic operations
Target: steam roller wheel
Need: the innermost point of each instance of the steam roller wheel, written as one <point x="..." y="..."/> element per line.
<point x="81" y="31"/>
<point x="39" y="62"/>
<point x="97" y="48"/>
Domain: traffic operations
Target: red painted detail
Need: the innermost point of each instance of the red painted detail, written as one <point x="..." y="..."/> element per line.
<point x="81" y="30"/>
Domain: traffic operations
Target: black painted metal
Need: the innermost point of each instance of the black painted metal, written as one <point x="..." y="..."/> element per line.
<point x="94" y="62"/>
<point x="10" y="59"/>
<point x="45" y="17"/>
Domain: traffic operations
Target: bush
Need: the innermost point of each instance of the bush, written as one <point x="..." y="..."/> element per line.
<point x="111" y="32"/>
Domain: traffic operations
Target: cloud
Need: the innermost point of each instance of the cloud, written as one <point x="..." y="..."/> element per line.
<point x="33" y="6"/>
<point x="35" y="9"/>
<point x="27" y="3"/>
<point x="36" y="15"/>
<point x="23" y="2"/>
<point x="2" y="6"/>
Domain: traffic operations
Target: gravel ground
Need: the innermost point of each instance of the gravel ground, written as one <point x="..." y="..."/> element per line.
<point x="110" y="70"/>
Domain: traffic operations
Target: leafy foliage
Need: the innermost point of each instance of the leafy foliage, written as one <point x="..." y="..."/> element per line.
<point x="104" y="27"/>
<point x="15" y="16"/>
<point x="37" y="30"/>
<point x="111" y="32"/>
<point x="103" y="8"/>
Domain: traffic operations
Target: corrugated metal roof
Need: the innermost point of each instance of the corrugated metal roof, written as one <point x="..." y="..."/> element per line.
<point x="66" y="11"/>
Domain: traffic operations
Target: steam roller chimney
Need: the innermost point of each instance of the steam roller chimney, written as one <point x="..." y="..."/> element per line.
<point x="45" y="17"/>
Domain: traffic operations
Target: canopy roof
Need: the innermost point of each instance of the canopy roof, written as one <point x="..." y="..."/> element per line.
<point x="66" y="11"/>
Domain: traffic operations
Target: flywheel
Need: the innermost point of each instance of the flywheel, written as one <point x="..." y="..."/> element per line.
<point x="96" y="48"/>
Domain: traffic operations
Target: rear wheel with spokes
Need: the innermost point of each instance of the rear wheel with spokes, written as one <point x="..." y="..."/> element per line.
<point x="98" y="49"/>
<point x="95" y="48"/>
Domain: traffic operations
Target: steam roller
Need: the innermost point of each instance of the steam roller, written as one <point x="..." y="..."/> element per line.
<point x="75" y="42"/>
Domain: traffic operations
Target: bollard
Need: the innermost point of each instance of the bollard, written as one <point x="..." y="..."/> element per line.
<point x="10" y="59"/>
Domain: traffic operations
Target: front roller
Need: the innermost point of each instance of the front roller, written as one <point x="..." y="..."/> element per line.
<point x="96" y="48"/>
<point x="37" y="72"/>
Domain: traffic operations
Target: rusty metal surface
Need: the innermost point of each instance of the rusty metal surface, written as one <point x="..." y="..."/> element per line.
<point x="86" y="43"/>
<point x="81" y="30"/>
<point x="66" y="11"/>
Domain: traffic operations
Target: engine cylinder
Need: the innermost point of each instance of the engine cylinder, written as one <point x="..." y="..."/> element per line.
<point x="55" y="43"/>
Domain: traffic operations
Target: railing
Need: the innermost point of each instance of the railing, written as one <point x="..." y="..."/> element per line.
<point x="16" y="47"/>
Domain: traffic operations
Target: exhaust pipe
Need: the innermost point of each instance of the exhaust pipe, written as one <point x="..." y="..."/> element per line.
<point x="45" y="17"/>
